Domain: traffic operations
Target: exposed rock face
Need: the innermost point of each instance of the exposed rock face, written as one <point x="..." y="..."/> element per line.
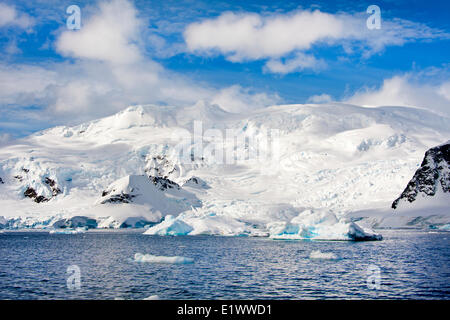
<point x="30" y="192"/>
<point x="52" y="184"/>
<point x="1" y="180"/>
<point x="433" y="174"/>
<point x="161" y="196"/>
<point x="161" y="171"/>
<point x="196" y="182"/>
<point x="126" y="189"/>
<point x="164" y="183"/>
<point x="118" y="198"/>
<point x="160" y="166"/>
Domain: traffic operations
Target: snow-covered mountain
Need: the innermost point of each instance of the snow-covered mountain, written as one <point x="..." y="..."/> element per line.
<point x="265" y="172"/>
<point x="431" y="182"/>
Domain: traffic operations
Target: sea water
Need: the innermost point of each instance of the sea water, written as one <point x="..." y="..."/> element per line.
<point x="102" y="265"/>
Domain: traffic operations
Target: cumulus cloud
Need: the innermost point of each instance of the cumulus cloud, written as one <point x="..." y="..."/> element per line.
<point x="24" y="84"/>
<point x="109" y="71"/>
<point x="249" y="36"/>
<point x="300" y="62"/>
<point x="11" y="17"/>
<point x="237" y="99"/>
<point x="110" y="35"/>
<point x="410" y="89"/>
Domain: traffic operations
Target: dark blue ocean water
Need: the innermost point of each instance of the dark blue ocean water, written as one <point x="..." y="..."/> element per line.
<point x="33" y="265"/>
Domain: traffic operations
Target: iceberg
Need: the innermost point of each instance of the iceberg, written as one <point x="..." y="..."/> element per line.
<point x="320" y="225"/>
<point x="170" y="227"/>
<point x="139" y="257"/>
<point x="196" y="223"/>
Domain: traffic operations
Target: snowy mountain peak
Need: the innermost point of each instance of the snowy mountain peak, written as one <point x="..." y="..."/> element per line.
<point x="431" y="179"/>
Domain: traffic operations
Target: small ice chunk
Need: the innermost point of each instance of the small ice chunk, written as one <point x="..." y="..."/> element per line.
<point x="139" y="257"/>
<point x="154" y="297"/>
<point x="359" y="233"/>
<point x="317" y="254"/>
<point x="67" y="231"/>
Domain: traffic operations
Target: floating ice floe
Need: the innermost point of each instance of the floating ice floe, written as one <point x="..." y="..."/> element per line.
<point x="154" y="297"/>
<point x="67" y="231"/>
<point x="139" y="257"/>
<point x="317" y="254"/>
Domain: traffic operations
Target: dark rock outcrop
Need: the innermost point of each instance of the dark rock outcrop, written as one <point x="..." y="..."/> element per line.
<point x="52" y="184"/>
<point x="160" y="166"/>
<point x="1" y="180"/>
<point x="434" y="173"/>
<point x="164" y="183"/>
<point x="196" y="182"/>
<point x="32" y="194"/>
<point x="117" y="198"/>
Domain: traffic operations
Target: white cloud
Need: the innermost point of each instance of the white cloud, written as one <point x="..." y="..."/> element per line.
<point x="300" y="62"/>
<point x="111" y="35"/>
<point x="4" y="138"/>
<point x="110" y="72"/>
<point x="12" y="48"/>
<point x="444" y="91"/>
<point x="237" y="99"/>
<point x="250" y="36"/>
<point x="407" y="90"/>
<point x="24" y="84"/>
<point x="9" y="16"/>
<point x="321" y="98"/>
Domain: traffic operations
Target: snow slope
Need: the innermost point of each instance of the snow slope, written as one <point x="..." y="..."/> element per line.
<point x="425" y="202"/>
<point x="346" y="160"/>
<point x="431" y="182"/>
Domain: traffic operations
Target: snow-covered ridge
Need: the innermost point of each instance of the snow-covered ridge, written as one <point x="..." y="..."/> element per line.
<point x="124" y="170"/>
<point x="432" y="179"/>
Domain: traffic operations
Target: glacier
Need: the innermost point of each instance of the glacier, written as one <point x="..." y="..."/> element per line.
<point x="328" y="172"/>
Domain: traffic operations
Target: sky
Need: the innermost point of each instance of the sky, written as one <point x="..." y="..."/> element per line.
<point x="241" y="55"/>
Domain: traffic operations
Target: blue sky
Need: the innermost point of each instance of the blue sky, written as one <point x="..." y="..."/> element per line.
<point x="239" y="54"/>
